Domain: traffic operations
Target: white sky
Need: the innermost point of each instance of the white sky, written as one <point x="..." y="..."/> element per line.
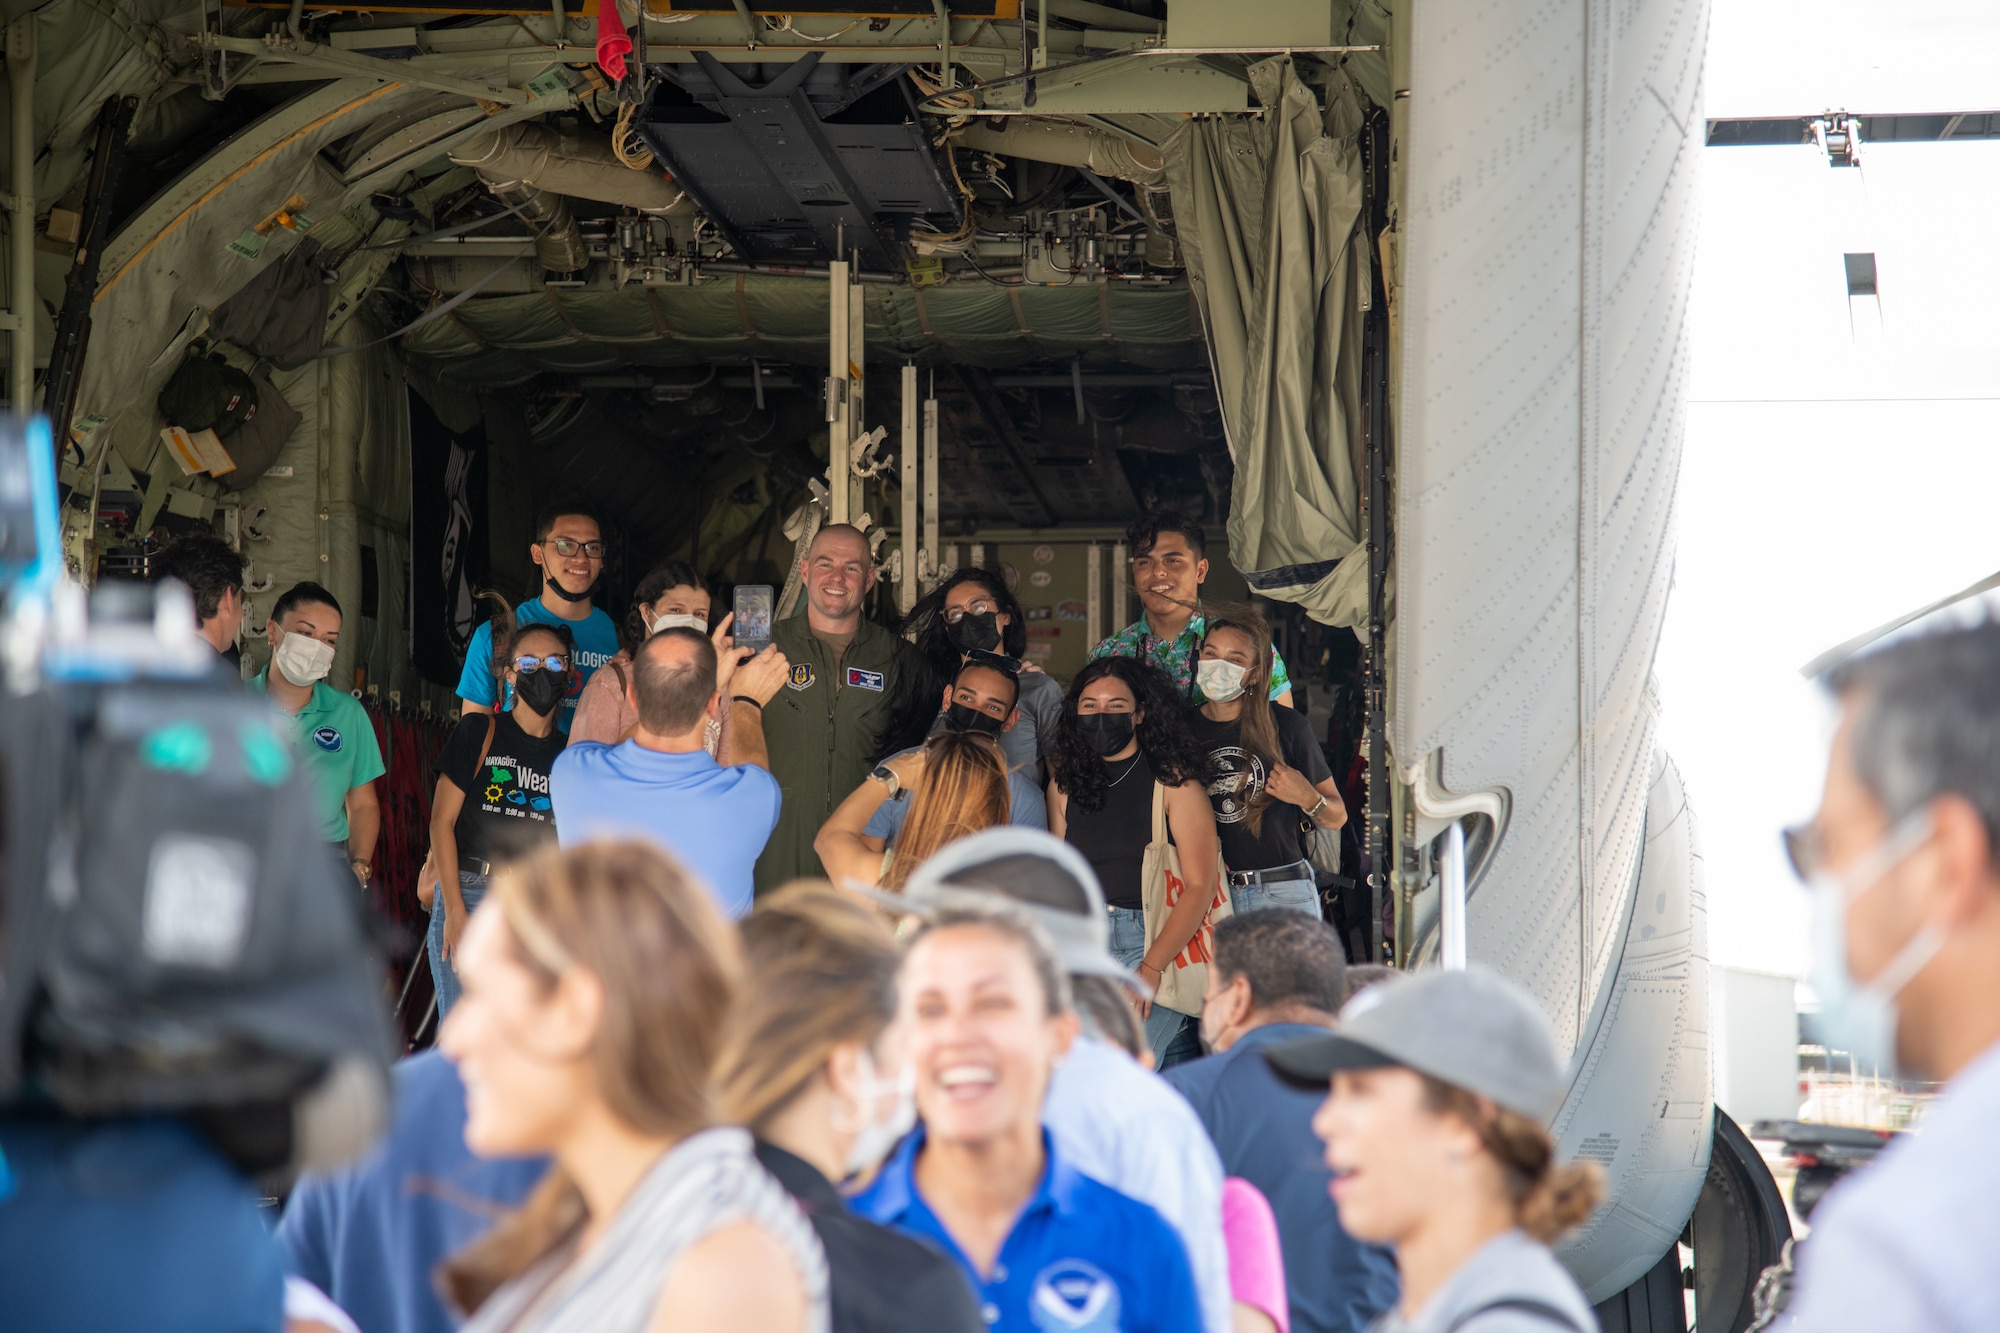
<point x="1837" y="472"/>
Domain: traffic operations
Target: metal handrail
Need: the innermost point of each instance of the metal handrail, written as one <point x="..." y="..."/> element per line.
<point x="1451" y="899"/>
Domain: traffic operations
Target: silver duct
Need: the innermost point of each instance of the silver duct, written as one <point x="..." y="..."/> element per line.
<point x="540" y="157"/>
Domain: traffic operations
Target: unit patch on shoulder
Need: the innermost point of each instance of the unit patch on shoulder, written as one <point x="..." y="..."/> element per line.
<point x="867" y="680"/>
<point x="326" y="738"/>
<point x="801" y="677"/>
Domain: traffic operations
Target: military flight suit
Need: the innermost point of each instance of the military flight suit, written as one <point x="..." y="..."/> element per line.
<point x="824" y="740"/>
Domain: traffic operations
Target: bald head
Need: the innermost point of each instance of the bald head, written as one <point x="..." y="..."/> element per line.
<point x="838" y="575"/>
<point x="673" y="679"/>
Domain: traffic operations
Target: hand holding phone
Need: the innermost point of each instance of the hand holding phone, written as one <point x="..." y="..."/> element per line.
<point x="753" y="609"/>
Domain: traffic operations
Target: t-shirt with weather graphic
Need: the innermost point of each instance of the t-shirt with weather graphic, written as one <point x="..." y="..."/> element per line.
<point x="1237" y="776"/>
<point x="507" y="813"/>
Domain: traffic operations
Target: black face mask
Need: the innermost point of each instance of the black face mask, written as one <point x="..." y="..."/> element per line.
<point x="1106" y="733"/>
<point x="542" y="690"/>
<point x="550" y="582"/>
<point x="962" y="719"/>
<point x="976" y="632"/>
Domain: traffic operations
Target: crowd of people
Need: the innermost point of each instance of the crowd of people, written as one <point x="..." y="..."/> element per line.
<point x="877" y="981"/>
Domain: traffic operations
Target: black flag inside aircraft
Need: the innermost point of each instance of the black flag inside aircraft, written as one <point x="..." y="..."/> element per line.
<point x="448" y="540"/>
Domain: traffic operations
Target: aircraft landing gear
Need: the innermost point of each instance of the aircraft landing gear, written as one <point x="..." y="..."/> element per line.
<point x="1739" y="1229"/>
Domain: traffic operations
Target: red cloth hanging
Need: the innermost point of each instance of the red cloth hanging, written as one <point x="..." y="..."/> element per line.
<point x="612" y="39"/>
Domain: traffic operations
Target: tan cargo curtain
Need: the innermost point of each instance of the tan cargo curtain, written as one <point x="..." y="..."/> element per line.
<point x="1266" y="212"/>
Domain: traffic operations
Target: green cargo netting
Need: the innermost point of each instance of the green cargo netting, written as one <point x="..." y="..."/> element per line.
<point x="505" y="339"/>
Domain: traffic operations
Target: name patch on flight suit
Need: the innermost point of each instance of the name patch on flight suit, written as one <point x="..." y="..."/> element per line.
<point x="867" y="680"/>
<point x="801" y="677"/>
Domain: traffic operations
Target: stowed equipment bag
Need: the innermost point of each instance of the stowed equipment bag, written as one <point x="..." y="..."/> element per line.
<point x="207" y="393"/>
<point x="178" y="939"/>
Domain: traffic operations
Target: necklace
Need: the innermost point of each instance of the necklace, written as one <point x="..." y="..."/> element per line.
<point x="1130" y="764"/>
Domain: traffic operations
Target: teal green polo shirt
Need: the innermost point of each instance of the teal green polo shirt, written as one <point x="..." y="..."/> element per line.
<point x="337" y="741"/>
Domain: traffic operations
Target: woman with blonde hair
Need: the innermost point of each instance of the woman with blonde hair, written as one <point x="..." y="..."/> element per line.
<point x="1441" y="1085"/>
<point x="814" y="1068"/>
<point x="597" y="984"/>
<point x="956" y="784"/>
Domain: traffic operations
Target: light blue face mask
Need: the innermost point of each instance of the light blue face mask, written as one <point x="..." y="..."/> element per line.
<point x="1861" y="1019"/>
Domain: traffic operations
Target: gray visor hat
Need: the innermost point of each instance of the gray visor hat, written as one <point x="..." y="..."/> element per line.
<point x="1473" y="1029"/>
<point x="1082" y="938"/>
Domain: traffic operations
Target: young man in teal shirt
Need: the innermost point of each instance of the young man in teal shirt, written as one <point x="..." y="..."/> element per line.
<point x="1169" y="565"/>
<point x="336" y="739"/>
<point x="569" y="549"/>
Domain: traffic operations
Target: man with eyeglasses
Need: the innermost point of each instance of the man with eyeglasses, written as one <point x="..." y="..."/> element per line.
<point x="569" y="549"/>
<point x="1906" y="964"/>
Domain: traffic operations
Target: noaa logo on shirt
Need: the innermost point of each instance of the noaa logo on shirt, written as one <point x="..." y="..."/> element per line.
<point x="1072" y="1296"/>
<point x="326" y="738"/>
<point x="801" y="677"/>
<point x="866" y="680"/>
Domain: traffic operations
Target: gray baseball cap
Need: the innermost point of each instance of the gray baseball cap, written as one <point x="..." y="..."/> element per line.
<point x="1026" y="869"/>
<point x="1474" y="1029"/>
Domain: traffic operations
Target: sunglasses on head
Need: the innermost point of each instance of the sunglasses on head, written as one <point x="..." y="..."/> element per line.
<point x="529" y="665"/>
<point x="565" y="546"/>
<point x="1000" y="662"/>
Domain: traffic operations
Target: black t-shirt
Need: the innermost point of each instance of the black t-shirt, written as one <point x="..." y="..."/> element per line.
<point x="1239" y="777"/>
<point x="879" y="1281"/>
<point x="506" y="812"/>
<point x="1114" y="838"/>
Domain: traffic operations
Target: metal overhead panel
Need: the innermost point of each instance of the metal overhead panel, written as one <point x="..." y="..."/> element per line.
<point x="787" y="166"/>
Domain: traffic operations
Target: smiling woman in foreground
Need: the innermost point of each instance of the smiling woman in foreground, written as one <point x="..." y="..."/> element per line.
<point x="988" y="1018"/>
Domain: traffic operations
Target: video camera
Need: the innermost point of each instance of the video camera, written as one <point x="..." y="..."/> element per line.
<point x="174" y="937"/>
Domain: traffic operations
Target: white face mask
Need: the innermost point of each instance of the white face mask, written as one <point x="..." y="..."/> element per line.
<point x="1220" y="681"/>
<point x="681" y="620"/>
<point x="880" y="1135"/>
<point x="1861" y="1018"/>
<point x="302" y="659"/>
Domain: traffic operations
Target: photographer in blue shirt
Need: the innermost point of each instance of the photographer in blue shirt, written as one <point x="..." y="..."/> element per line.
<point x="988" y="1016"/>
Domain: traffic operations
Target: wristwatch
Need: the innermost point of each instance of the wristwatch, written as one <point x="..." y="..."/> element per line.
<point x="887" y="777"/>
<point x="362" y="870"/>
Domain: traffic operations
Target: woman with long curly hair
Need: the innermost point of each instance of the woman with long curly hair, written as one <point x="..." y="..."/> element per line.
<point x="1122" y="735"/>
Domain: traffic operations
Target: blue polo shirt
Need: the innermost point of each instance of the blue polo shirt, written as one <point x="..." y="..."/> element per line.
<point x="1082" y="1258"/>
<point x="1262" y="1127"/>
<point x="596" y="643"/>
<point x="716" y="819"/>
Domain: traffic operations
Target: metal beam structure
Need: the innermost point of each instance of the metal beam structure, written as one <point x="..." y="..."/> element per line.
<point x="908" y="484"/>
<point x="22" y="61"/>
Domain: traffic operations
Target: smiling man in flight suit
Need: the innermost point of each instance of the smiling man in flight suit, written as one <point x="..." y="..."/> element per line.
<point x="830" y="722"/>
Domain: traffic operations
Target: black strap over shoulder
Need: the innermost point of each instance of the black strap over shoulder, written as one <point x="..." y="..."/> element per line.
<point x="1526" y="1305"/>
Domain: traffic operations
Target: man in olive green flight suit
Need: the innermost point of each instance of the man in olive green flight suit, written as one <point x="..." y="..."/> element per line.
<point x="827" y="727"/>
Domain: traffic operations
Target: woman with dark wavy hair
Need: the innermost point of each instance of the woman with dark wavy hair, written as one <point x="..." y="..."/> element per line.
<point x="973" y="612"/>
<point x="1122" y="737"/>
<point x="671" y="594"/>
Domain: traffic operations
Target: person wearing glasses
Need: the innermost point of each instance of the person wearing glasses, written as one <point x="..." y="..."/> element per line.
<point x="492" y="802"/>
<point x="569" y="550"/>
<point x="1905" y="962"/>
<point x="972" y="614"/>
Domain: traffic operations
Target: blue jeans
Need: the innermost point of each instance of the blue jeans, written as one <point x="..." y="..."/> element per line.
<point x="1296" y="895"/>
<point x="1174" y="1037"/>
<point x="444" y="976"/>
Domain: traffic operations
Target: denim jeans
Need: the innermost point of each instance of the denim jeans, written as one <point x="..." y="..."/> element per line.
<point x="444" y="976"/>
<point x="1297" y="895"/>
<point x="1174" y="1037"/>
